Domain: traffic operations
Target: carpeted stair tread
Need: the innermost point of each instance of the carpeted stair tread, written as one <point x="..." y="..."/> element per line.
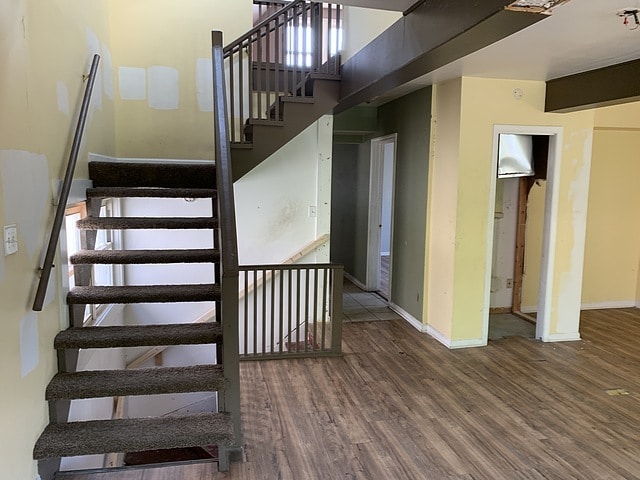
<point x="150" y="192"/>
<point x="208" y="292"/>
<point x="143" y="381"/>
<point x="133" y="435"/>
<point x="139" y="335"/>
<point x="199" y="255"/>
<point x="148" y="174"/>
<point x="155" y="223"/>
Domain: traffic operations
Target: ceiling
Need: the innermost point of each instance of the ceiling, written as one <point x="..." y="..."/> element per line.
<point x="580" y="35"/>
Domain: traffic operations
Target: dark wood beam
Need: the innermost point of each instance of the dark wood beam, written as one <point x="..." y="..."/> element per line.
<point x="605" y="86"/>
<point x="432" y="35"/>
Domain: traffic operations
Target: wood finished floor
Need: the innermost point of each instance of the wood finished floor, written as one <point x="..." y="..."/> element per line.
<point x="399" y="406"/>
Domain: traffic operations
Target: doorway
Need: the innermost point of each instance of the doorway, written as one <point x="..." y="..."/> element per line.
<point x="381" y="196"/>
<point x="549" y="216"/>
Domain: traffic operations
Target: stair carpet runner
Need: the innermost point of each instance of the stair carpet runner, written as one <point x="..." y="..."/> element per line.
<point x="61" y="438"/>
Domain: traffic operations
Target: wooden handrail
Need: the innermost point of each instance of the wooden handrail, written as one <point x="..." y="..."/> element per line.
<point x="47" y="266"/>
<point x="237" y="43"/>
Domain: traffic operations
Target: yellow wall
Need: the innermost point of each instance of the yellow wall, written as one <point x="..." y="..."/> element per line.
<point x="612" y="253"/>
<point x="361" y="25"/>
<point x="46" y="47"/>
<point x="483" y="104"/>
<point x="165" y="33"/>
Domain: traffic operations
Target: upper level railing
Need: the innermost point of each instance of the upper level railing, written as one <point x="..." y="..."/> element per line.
<point x="278" y="58"/>
<point x="47" y="266"/>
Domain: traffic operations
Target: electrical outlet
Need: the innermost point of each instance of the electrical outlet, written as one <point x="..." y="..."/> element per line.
<point x="10" y="239"/>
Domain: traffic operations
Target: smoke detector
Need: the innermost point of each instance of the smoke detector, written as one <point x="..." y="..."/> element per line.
<point x="535" y="6"/>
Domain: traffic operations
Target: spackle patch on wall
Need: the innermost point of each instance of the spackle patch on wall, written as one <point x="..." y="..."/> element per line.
<point x="24" y="177"/>
<point x="107" y="72"/>
<point x="132" y="83"/>
<point x="163" y="83"/>
<point x="204" y="80"/>
<point x="63" y="97"/>
<point x="29" y="344"/>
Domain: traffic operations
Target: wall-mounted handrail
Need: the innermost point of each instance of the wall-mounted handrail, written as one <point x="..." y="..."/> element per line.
<point x="47" y="266"/>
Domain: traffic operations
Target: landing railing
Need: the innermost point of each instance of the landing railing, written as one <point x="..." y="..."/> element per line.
<point x="290" y="310"/>
<point x="278" y="59"/>
<point x="47" y="266"/>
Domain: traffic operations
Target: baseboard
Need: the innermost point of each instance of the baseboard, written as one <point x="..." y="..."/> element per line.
<point x="499" y="310"/>
<point x="355" y="281"/>
<point x="96" y="157"/>
<point x="413" y="321"/>
<point x="604" y="305"/>
<point x="529" y="309"/>
<point x="562" y="337"/>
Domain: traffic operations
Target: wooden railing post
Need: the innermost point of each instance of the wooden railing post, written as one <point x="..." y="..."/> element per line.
<point x="337" y="280"/>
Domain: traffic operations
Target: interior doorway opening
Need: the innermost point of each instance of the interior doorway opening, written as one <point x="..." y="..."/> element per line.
<point x="381" y="196"/>
<point x="519" y="271"/>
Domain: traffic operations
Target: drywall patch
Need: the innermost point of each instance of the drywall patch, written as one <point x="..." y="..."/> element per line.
<point x="107" y="72"/>
<point x="24" y="178"/>
<point x="162" y="84"/>
<point x="29" y="344"/>
<point x="93" y="47"/>
<point x="204" y="84"/>
<point x="132" y="83"/>
<point x="63" y="97"/>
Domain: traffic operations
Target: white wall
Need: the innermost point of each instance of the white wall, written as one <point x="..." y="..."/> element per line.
<point x="361" y="25"/>
<point x="273" y="200"/>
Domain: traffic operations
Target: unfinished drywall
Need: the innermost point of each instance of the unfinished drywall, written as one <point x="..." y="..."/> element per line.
<point x="273" y="201"/>
<point x="160" y="51"/>
<point x="41" y="86"/>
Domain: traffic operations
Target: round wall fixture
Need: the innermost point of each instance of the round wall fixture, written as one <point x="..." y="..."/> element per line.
<point x="518" y="93"/>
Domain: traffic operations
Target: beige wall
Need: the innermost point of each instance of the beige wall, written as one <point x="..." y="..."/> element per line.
<point x="484" y="103"/>
<point x="162" y="52"/>
<point x="361" y="25"/>
<point x="45" y="50"/>
<point x="612" y="252"/>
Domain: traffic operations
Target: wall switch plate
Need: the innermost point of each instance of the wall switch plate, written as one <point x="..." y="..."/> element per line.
<point x="10" y="239"/>
<point x="313" y="212"/>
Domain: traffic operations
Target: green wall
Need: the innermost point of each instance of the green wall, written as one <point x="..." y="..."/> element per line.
<point x="410" y="118"/>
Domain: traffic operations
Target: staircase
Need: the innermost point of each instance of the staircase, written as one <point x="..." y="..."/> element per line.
<point x="284" y="74"/>
<point x="62" y="438"/>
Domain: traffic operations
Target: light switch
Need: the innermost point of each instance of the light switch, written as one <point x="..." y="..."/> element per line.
<point x="10" y="239"/>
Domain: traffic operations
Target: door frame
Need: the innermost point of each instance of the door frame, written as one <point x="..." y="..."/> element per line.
<point x="375" y="210"/>
<point x="549" y="237"/>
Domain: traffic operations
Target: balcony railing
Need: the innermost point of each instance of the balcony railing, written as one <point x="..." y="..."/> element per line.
<point x="290" y="310"/>
<point x="279" y="58"/>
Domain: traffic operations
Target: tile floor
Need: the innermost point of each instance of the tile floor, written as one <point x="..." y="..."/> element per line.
<point x="360" y="306"/>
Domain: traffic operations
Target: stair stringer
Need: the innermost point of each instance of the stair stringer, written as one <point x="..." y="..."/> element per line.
<point x="269" y="138"/>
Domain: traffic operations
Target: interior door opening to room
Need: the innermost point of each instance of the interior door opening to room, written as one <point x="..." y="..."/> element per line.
<point x="381" y="194"/>
<point x="531" y="267"/>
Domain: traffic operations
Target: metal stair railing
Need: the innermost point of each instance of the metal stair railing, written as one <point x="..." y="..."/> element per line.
<point x="278" y="58"/>
<point x="47" y="266"/>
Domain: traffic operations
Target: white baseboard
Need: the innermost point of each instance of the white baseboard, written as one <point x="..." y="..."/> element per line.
<point x="413" y="321"/>
<point x="562" y="337"/>
<point x="594" y="306"/>
<point x="603" y="305"/>
<point x="355" y="281"/>
<point x="95" y="157"/>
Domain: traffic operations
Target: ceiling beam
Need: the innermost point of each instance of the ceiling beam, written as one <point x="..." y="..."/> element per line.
<point x="602" y="87"/>
<point x="434" y="34"/>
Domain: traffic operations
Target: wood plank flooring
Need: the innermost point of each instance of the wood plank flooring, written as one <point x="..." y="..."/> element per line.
<point x="400" y="406"/>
